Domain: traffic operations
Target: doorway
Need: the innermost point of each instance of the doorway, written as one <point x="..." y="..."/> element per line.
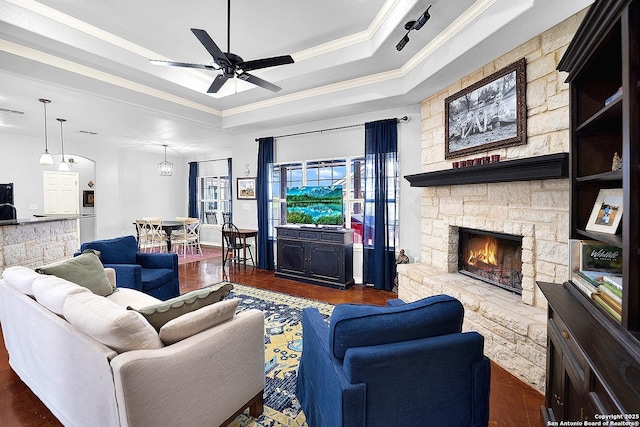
<point x="61" y="193"/>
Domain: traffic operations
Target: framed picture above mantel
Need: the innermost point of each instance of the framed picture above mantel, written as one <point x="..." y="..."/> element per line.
<point x="489" y="114"/>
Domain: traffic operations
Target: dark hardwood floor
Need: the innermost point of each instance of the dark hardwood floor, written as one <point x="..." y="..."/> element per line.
<point x="513" y="403"/>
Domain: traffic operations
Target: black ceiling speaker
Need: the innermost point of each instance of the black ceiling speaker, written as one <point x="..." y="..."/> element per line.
<point x="231" y="64"/>
<point x="413" y="25"/>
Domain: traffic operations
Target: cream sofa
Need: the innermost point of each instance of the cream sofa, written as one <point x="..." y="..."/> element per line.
<point x="203" y="380"/>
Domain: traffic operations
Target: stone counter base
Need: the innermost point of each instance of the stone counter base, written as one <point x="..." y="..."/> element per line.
<point x="37" y="244"/>
<point x="515" y="333"/>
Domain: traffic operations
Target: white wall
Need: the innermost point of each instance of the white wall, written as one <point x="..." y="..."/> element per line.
<point x="128" y="186"/>
<point x="332" y="144"/>
<point x="127" y="183"/>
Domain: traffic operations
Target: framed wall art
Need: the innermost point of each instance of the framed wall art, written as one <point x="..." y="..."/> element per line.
<point x="607" y="211"/>
<point x="489" y="114"/>
<point x="247" y="188"/>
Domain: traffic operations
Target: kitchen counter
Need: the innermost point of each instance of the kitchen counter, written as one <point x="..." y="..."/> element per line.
<point x="42" y="218"/>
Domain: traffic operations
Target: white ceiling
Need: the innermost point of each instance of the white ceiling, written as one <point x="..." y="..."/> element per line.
<point x="90" y="58"/>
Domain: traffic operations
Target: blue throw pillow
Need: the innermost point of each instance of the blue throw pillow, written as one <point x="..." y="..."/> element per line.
<point x="355" y="325"/>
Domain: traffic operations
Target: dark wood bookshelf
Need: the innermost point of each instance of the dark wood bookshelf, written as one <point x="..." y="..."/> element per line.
<point x="593" y="359"/>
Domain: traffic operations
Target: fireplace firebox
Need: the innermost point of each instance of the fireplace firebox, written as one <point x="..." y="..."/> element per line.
<point x="494" y="258"/>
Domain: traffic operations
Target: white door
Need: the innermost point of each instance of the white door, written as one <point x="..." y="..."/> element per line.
<point x="61" y="193"/>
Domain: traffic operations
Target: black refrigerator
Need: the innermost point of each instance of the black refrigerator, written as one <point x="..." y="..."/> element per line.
<point x="7" y="210"/>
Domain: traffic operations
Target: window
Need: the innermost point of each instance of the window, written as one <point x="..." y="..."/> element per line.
<point x="347" y="172"/>
<point x="391" y="199"/>
<point x="214" y="191"/>
<point x="215" y="199"/>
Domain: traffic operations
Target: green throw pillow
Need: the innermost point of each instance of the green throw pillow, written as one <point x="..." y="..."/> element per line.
<point x="161" y="313"/>
<point x="84" y="270"/>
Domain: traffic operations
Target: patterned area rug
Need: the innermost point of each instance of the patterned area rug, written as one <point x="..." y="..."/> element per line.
<point x="283" y="346"/>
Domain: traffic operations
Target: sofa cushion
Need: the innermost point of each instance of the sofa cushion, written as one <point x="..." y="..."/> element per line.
<point x="159" y="314"/>
<point x="21" y="278"/>
<point x="197" y="321"/>
<point x="84" y="270"/>
<point x="126" y="297"/>
<point x="120" y="250"/>
<point x="52" y="292"/>
<point x="354" y="325"/>
<point x="112" y="325"/>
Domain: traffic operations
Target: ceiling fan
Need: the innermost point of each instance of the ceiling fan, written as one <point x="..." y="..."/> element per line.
<point x="231" y="64"/>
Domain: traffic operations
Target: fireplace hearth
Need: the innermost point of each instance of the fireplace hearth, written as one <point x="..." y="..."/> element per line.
<point x="494" y="258"/>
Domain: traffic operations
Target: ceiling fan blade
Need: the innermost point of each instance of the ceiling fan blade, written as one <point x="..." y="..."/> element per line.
<point x="183" y="64"/>
<point x="211" y="47"/>
<point x="217" y="83"/>
<point x="266" y="62"/>
<point x="259" y="82"/>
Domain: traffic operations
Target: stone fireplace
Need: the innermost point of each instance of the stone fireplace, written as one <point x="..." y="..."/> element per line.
<point x="516" y="198"/>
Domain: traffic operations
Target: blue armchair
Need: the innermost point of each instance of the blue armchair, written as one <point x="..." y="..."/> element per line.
<point x="399" y="365"/>
<point x="154" y="274"/>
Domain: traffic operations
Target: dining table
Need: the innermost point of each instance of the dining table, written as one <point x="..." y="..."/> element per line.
<point x="244" y="234"/>
<point x="167" y="226"/>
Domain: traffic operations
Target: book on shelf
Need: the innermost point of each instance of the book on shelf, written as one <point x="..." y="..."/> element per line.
<point x="609" y="284"/>
<point x="593" y="277"/>
<point x="608" y="308"/>
<point x="595" y="268"/>
<point x="584" y="286"/>
<point x="597" y="256"/>
<point x="614" y="281"/>
<point x="614" y="299"/>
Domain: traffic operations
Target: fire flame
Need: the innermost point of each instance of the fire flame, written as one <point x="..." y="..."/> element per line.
<point x="483" y="251"/>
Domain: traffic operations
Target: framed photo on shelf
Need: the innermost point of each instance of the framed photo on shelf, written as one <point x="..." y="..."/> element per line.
<point x="489" y="114"/>
<point x="247" y="188"/>
<point x="607" y="211"/>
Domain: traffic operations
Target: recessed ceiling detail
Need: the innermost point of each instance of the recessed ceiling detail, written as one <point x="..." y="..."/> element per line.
<point x="344" y="53"/>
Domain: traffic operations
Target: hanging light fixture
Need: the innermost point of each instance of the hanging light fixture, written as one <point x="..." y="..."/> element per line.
<point x="165" y="168"/>
<point x="46" y="159"/>
<point x="63" y="166"/>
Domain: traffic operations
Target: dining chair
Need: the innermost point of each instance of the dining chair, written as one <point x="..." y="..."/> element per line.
<point x="156" y="233"/>
<point x="234" y="243"/>
<point x="144" y="235"/>
<point x="188" y="236"/>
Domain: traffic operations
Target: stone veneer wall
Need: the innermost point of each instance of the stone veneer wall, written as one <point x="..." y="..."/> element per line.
<point x="514" y="326"/>
<point x="39" y="243"/>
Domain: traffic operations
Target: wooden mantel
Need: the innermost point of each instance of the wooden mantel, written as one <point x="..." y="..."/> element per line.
<point x="551" y="166"/>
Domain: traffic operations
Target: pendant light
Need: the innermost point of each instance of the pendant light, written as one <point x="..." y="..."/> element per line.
<point x="46" y="159"/>
<point x="165" y="168"/>
<point x="63" y="166"/>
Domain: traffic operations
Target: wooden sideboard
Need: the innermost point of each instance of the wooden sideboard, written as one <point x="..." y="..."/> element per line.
<point x="317" y="255"/>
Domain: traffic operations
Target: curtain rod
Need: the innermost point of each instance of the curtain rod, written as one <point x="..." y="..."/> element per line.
<point x="224" y="159"/>
<point x="398" y="119"/>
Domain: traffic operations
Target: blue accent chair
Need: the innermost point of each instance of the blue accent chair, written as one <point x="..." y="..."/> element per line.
<point x="405" y="364"/>
<point x="154" y="274"/>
